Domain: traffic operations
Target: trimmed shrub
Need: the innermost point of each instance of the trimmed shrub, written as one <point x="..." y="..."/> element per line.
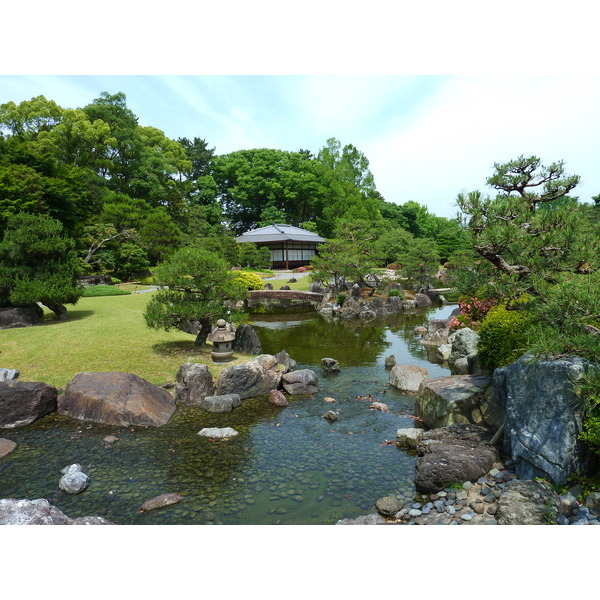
<point x="502" y="337"/>
<point x="252" y="281"/>
<point x="393" y="293"/>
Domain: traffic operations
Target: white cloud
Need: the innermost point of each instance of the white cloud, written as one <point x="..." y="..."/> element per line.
<point x="453" y="140"/>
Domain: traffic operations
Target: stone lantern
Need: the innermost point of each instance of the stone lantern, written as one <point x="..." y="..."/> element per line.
<point x="222" y="340"/>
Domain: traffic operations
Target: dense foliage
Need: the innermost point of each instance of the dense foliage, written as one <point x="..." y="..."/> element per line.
<point x="38" y="264"/>
<point x="541" y="254"/>
<point x="195" y="286"/>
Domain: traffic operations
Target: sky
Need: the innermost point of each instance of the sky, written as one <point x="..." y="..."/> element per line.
<point x="426" y="137"/>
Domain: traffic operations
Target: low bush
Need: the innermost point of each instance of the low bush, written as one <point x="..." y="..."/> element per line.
<point x="252" y="281"/>
<point x="104" y="290"/>
<point x="502" y="337"/>
<point x="393" y="293"/>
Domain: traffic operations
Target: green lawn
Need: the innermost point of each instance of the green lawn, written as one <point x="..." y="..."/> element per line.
<point x="102" y="334"/>
<point x="302" y="284"/>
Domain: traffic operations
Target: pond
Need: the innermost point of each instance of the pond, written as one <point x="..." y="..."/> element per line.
<point x="286" y="466"/>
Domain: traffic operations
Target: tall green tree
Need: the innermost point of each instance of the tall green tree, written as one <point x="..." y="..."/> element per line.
<point x="420" y="262"/>
<point x="249" y="181"/>
<point x="350" y="186"/>
<point x="38" y="263"/>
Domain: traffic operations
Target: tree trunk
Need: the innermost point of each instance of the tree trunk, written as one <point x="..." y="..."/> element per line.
<point x="58" y="309"/>
<point x="205" y="329"/>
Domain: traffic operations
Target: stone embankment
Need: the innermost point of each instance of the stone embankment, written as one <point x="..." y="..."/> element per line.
<point x="498" y="498"/>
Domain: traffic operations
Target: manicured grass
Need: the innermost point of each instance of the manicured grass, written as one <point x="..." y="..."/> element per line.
<point x="302" y="284"/>
<point x="102" y="334"/>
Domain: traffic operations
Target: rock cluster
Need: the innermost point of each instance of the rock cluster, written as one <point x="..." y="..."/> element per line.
<point x="40" y="512"/>
<point x="497" y="498"/>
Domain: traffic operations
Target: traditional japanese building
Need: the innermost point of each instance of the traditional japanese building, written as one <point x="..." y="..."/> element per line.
<point x="290" y="246"/>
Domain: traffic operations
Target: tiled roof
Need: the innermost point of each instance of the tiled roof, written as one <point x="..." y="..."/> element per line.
<point x="278" y="233"/>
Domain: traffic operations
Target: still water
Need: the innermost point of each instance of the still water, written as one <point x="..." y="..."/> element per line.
<point x="286" y="466"/>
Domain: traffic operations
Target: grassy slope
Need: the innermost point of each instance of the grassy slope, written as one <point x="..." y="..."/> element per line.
<point x="102" y="334"/>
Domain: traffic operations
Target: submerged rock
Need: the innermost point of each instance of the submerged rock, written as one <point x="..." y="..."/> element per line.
<point x="390" y="361"/>
<point x="160" y="501"/>
<point x="117" y="399"/>
<point x="330" y="416"/>
<point x="6" y="447"/>
<point x="276" y="398"/>
<point x="218" y="433"/>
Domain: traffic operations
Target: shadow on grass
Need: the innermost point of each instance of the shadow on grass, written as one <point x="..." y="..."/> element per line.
<point x="181" y="348"/>
<point x="72" y="315"/>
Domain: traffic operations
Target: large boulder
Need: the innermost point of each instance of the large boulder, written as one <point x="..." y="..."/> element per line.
<point x="527" y="503"/>
<point x="303" y="381"/>
<point x="453" y="454"/>
<point x="194" y="383"/>
<point x="254" y="378"/>
<point x="23" y="402"/>
<point x="116" y="399"/>
<point x="437" y="332"/>
<point x="246" y="341"/>
<point x="543" y="417"/>
<point x="463" y="350"/>
<point x="407" y="377"/>
<point x="449" y="399"/>
<point x="25" y="316"/>
<point x="422" y="300"/>
<point x="40" y="512"/>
